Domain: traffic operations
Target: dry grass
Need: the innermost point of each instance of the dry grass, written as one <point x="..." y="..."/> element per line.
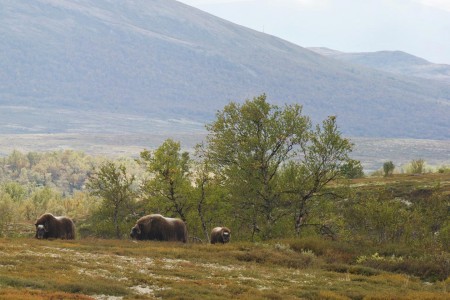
<point x="112" y="269"/>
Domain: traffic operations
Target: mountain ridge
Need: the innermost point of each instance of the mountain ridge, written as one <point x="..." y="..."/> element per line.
<point x="77" y="66"/>
<point x="396" y="62"/>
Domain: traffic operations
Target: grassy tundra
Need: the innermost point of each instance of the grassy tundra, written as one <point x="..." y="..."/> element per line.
<point x="124" y="269"/>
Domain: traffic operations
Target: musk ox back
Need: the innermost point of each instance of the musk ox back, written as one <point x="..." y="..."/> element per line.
<point x="49" y="226"/>
<point x="220" y="235"/>
<point x="159" y="228"/>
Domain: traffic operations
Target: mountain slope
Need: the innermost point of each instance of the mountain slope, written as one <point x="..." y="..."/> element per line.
<point x="396" y="62"/>
<point x="143" y="66"/>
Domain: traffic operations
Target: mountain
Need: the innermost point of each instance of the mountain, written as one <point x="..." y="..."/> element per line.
<point x="160" y="66"/>
<point x="396" y="62"/>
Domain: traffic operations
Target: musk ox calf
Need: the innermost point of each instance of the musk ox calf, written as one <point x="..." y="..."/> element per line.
<point x="220" y="235"/>
<point x="49" y="226"/>
<point x="159" y="228"/>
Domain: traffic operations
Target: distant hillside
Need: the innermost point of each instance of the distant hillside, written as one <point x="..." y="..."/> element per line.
<point x="396" y="62"/>
<point x="162" y="66"/>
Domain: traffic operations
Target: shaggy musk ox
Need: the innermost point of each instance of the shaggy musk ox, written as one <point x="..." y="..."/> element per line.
<point x="49" y="226"/>
<point x="159" y="228"/>
<point x="220" y="235"/>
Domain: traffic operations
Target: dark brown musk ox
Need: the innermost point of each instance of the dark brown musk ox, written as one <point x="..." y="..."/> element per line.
<point x="220" y="235"/>
<point x="158" y="228"/>
<point x="49" y="226"/>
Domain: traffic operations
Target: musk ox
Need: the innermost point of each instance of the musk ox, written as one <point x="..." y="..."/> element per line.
<point x="159" y="228"/>
<point x="49" y="226"/>
<point x="220" y="235"/>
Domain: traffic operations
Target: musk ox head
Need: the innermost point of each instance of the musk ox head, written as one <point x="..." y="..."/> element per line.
<point x="136" y="232"/>
<point x="226" y="235"/>
<point x="40" y="230"/>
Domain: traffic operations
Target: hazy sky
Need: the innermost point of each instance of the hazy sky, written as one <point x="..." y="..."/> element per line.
<point x="419" y="27"/>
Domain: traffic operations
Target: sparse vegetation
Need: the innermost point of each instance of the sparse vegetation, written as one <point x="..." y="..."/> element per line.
<point x="282" y="269"/>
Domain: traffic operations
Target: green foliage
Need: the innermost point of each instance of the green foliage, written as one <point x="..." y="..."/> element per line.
<point x="388" y="168"/>
<point x="352" y="169"/>
<point x="444" y="235"/>
<point x="247" y="144"/>
<point x="168" y="186"/>
<point x="16" y="191"/>
<point x="7" y="212"/>
<point x="323" y="156"/>
<point x="444" y="169"/>
<point x="64" y="170"/>
<point x="112" y="183"/>
<point x="273" y="162"/>
<point x="40" y="201"/>
<point x="434" y="267"/>
<point x="210" y="199"/>
<point x="384" y="220"/>
<point x="416" y="218"/>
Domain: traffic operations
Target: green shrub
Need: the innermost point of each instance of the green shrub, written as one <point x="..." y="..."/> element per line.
<point x="388" y="168"/>
<point x="444" y="169"/>
<point x="358" y="270"/>
<point x="417" y="166"/>
<point x="430" y="268"/>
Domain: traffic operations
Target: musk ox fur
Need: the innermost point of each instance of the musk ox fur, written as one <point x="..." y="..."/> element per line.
<point x="49" y="226"/>
<point x="220" y="235"/>
<point x="158" y="228"/>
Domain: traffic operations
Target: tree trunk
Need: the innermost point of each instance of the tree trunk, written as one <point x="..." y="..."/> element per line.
<point x="200" y="214"/>
<point x="116" y="221"/>
<point x="300" y="217"/>
<point x="299" y="221"/>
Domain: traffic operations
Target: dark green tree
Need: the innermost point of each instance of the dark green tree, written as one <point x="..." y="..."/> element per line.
<point x="353" y="169"/>
<point x="388" y="168"/>
<point x="112" y="183"/>
<point x="168" y="186"/>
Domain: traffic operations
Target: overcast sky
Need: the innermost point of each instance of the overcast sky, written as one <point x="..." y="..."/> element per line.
<point x="419" y="27"/>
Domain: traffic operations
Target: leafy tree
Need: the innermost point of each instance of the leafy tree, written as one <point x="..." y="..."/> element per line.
<point x="16" y="161"/>
<point x="352" y="169"/>
<point x="321" y="161"/>
<point x="16" y="191"/>
<point x="41" y="200"/>
<point x="168" y="186"/>
<point x="388" y="168"/>
<point x="209" y="195"/>
<point x="112" y="183"/>
<point x="247" y="145"/>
